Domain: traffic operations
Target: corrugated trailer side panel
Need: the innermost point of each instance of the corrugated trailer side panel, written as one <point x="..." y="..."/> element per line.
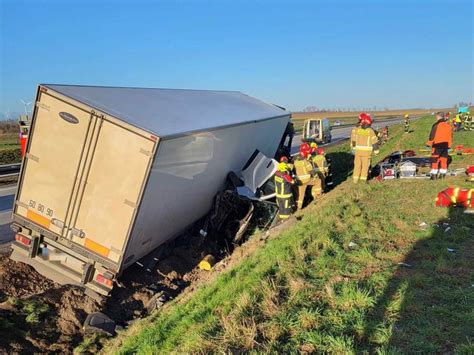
<point x="187" y="173"/>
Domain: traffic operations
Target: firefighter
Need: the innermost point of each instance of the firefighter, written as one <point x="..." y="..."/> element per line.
<point x="468" y="124"/>
<point x="364" y="142"/>
<point x="284" y="190"/>
<point x="457" y="122"/>
<point x="284" y="159"/>
<point x="407" y="123"/>
<point x="320" y="165"/>
<point x="440" y="141"/>
<point x="470" y="173"/>
<point x="383" y="136"/>
<point x="456" y="196"/>
<point x="305" y="175"/>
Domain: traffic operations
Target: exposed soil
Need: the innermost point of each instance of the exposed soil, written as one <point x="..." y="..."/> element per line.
<point x="59" y="329"/>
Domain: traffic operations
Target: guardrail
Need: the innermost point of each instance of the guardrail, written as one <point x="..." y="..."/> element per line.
<point x="9" y="170"/>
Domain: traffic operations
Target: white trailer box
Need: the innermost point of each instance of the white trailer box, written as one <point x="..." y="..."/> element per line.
<point x="111" y="173"/>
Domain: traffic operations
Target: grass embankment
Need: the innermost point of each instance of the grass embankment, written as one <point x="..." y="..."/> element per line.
<point x="333" y="282"/>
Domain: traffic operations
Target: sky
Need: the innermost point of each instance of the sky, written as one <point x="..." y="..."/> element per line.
<point x="328" y="54"/>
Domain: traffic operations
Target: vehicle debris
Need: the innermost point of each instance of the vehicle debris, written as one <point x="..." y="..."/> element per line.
<point x="98" y="322"/>
<point x="404" y="264"/>
<point x="207" y="262"/>
<point x="158" y="300"/>
<point x="423" y="225"/>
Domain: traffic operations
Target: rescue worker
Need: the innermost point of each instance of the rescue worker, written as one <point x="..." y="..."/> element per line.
<point x="284" y="183"/>
<point x="320" y="165"/>
<point x="457" y="122"/>
<point x="470" y="173"/>
<point x="364" y="142"/>
<point x="385" y="134"/>
<point x="407" y="123"/>
<point x="468" y="124"/>
<point x="305" y="175"/>
<point x="440" y="141"/>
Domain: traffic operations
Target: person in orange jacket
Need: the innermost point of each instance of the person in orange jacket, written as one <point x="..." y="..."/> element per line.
<point x="440" y="141"/>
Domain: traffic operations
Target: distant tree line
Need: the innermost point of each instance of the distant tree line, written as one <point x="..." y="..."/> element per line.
<point x="9" y="126"/>
<point x="344" y="109"/>
<point x="462" y="103"/>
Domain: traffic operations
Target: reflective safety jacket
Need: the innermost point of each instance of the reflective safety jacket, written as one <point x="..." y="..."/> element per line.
<point x="304" y="170"/>
<point x="455" y="196"/>
<point x="320" y="164"/>
<point x="283" y="183"/>
<point x="441" y="135"/>
<point x="364" y="139"/>
<point x="458" y="119"/>
<point x="284" y="194"/>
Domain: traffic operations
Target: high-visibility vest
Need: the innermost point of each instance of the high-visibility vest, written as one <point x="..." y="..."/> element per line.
<point x="363" y="139"/>
<point x="303" y="169"/>
<point x="455" y="196"/>
<point x="282" y="186"/>
<point x="320" y="164"/>
<point x="284" y="195"/>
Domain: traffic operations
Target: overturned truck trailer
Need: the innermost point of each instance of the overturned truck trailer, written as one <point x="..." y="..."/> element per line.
<point x="111" y="173"/>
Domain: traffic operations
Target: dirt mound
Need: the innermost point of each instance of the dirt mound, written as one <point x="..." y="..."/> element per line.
<point x="38" y="315"/>
<point x="19" y="280"/>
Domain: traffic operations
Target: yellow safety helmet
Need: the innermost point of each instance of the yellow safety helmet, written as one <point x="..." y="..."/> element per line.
<point x="313" y="145"/>
<point x="283" y="167"/>
<point x="406" y="116"/>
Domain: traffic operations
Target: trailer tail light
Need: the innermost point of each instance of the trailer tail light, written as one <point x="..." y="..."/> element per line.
<point x="22" y="239"/>
<point x="105" y="279"/>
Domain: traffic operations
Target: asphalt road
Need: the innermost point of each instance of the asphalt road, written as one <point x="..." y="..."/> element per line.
<point x="7" y="195"/>
<point x="339" y="134"/>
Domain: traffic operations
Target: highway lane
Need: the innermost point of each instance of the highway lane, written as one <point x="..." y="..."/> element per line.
<point x="339" y="134"/>
<point x="7" y="195"/>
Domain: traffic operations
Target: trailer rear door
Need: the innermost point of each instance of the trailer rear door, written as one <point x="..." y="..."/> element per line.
<point x="113" y="187"/>
<point x="52" y="162"/>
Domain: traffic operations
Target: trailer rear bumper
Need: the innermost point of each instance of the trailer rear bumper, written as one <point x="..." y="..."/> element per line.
<point x="59" y="263"/>
<point x="57" y="272"/>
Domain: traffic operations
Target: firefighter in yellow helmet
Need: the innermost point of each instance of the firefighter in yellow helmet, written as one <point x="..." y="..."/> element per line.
<point x="364" y="143"/>
<point x="457" y="122"/>
<point x="305" y="175"/>
<point x="320" y="164"/>
<point x="406" y="120"/>
<point x="284" y="189"/>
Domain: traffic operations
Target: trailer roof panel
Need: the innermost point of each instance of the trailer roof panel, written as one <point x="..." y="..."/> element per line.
<point x="169" y="112"/>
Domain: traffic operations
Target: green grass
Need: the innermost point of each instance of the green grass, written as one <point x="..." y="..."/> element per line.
<point x="333" y="283"/>
<point x="33" y="310"/>
<point x="9" y="141"/>
<point x="9" y="148"/>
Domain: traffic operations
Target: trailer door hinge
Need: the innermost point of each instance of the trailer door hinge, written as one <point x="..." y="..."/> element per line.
<point x="32" y="157"/>
<point x="21" y="204"/>
<point x="43" y="106"/>
<point x="145" y="152"/>
<point x="130" y="203"/>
